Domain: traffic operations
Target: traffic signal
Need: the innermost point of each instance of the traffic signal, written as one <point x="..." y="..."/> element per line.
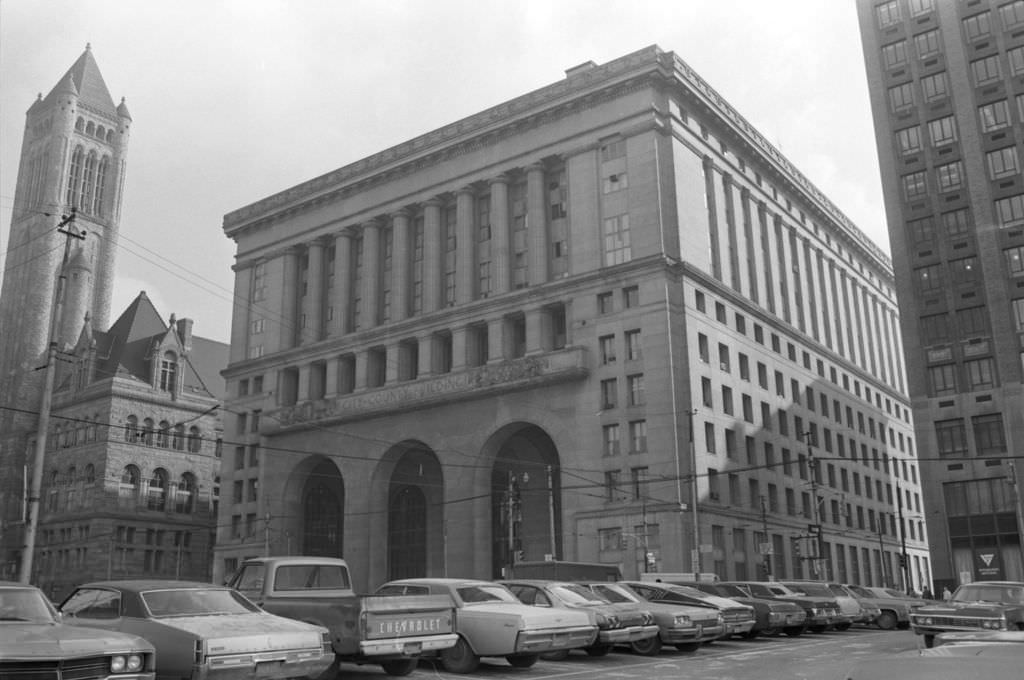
<point x="902" y="560"/>
<point x="796" y="547"/>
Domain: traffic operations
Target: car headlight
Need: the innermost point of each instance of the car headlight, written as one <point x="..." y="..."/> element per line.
<point x="126" y="663"/>
<point x="815" y="611"/>
<point x="648" y="618"/>
<point x="683" y="621"/>
<point x="721" y="619"/>
<point x="925" y="620"/>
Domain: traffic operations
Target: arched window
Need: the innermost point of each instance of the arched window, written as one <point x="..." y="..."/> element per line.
<point x="90" y="128"/>
<point x="129" y="487"/>
<point x="73" y="195"/>
<point x="157" y="495"/>
<point x="163" y="435"/>
<point x="168" y="371"/>
<point x="101" y="185"/>
<point x="80" y="124"/>
<point x="53" y="491"/>
<point x="194" y="440"/>
<point x="147" y="431"/>
<point x="110" y="135"/>
<point x="100" y="132"/>
<point x="178" y="439"/>
<point x="131" y="429"/>
<point x="90" y="474"/>
<point x="185" y="500"/>
<point x="88" y="182"/>
<point x="71" y="488"/>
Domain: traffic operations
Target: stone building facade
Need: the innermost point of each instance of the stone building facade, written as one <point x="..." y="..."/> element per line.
<point x="947" y="93"/>
<point x="603" y="321"/>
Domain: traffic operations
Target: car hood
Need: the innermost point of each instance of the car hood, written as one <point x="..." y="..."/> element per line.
<point x="235" y="633"/>
<point x="963" y="609"/>
<point x="36" y="641"/>
<point x="691" y="610"/>
<point x="532" y="616"/>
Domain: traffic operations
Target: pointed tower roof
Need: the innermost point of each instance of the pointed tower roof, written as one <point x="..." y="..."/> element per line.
<point x="126" y="344"/>
<point x="87" y="80"/>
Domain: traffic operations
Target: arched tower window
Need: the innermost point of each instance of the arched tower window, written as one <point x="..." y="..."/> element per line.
<point x="88" y="182"/>
<point x="100" y="132"/>
<point x="80" y="124"/>
<point x="168" y="371"/>
<point x="73" y="196"/>
<point x="90" y="128"/>
<point x="185" y="499"/>
<point x="157" y="495"/>
<point x="131" y="429"/>
<point x="194" y="440"/>
<point x="129" y="486"/>
<point x="101" y="185"/>
<point x="147" y="432"/>
<point x="163" y="435"/>
<point x="110" y="136"/>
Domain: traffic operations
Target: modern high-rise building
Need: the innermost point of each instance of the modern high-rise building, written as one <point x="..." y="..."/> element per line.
<point x="947" y="93"/>
<point x="604" y="321"/>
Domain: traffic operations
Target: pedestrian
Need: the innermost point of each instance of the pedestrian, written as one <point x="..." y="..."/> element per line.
<point x="927" y="593"/>
<point x="946" y="595"/>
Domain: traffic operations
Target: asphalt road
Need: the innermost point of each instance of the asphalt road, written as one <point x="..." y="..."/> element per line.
<point x="808" y="657"/>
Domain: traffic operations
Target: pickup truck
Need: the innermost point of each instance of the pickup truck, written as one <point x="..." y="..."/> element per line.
<point x="390" y="631"/>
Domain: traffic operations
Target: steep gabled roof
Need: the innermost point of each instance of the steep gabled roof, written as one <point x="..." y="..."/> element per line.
<point x="92" y="91"/>
<point x="124" y="349"/>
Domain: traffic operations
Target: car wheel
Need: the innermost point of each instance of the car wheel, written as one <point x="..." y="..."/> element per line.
<point x="793" y="631"/>
<point x="886" y="620"/>
<point x="929" y="641"/>
<point x="843" y="626"/>
<point x="459" y="658"/>
<point x="560" y="655"/>
<point x="399" y="667"/>
<point x="647" y="647"/>
<point x="769" y="632"/>
<point x="688" y="646"/>
<point x="522" y="660"/>
<point x="598" y="650"/>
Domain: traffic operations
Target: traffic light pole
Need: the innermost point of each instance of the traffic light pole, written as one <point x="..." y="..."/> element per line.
<point x="904" y="562"/>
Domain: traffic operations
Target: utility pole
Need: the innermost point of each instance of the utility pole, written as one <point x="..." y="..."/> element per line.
<point x="767" y="541"/>
<point x="266" y="534"/>
<point x="820" y="561"/>
<point x="1017" y="506"/>
<point x="881" y="552"/>
<point x="551" y="511"/>
<point x="47" y="399"/>
<point x="904" y="562"/>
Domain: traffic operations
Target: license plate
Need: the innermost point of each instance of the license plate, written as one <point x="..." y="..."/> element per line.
<point x="266" y="669"/>
<point x="700" y="629"/>
<point x="412" y="648"/>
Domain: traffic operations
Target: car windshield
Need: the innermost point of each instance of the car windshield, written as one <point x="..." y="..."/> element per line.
<point x="761" y="590"/>
<point x="690" y="591"/>
<point x="730" y="590"/>
<point x="816" y="589"/>
<point x="894" y="593"/>
<point x="614" y="593"/>
<point x="196" y="602"/>
<point x="24" y="604"/>
<point x="571" y="593"/>
<point x="478" y="593"/>
<point x="838" y="590"/>
<point x="863" y="592"/>
<point x="989" y="592"/>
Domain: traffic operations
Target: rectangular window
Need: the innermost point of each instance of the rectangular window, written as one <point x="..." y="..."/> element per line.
<point x="614" y="182"/>
<point x="942" y="131"/>
<point x="1010" y="211"/>
<point x="964" y="270"/>
<point x="638" y="436"/>
<point x="942" y="379"/>
<point x="606" y="348"/>
<point x="977" y="26"/>
<point x="630" y="297"/>
<point x="635" y="384"/>
<point x="609" y="393"/>
<point x="986" y="70"/>
<point x="709" y="437"/>
<point x="919" y="7"/>
<point x="927" y="43"/>
<point x="934" y="87"/>
<point x="723" y="357"/>
<point x="895" y="54"/>
<point x="612" y="482"/>
<point x="605" y="303"/>
<point x="909" y="140"/>
<point x="1014" y="260"/>
<point x="1018" y="314"/>
<point x="1016" y="58"/>
<point x="1002" y="162"/>
<point x="935" y="329"/>
<point x="702" y="348"/>
<point x="922" y="230"/>
<point x="915" y="186"/>
<point x="980" y="373"/>
<point x="617" y="246"/>
<point x="989" y="437"/>
<point x="888" y="14"/>
<point x="901" y="97"/>
<point x="950" y="176"/>
<point x="994" y="116"/>
<point x="610" y="434"/>
<point x="633" y="348"/>
<point x="956" y="222"/>
<point x="929" y="279"/>
<point x="1012" y="14"/>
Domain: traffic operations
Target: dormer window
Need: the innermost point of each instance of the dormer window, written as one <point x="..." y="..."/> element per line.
<point x="168" y="371"/>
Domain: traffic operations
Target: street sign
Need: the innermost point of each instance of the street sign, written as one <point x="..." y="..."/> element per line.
<point x="765" y="549"/>
<point x="814" y="529"/>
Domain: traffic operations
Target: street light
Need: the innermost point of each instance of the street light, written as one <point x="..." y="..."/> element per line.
<point x="513" y="516"/>
<point x="904" y="561"/>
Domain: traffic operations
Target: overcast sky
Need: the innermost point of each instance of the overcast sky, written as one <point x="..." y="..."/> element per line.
<point x="233" y="100"/>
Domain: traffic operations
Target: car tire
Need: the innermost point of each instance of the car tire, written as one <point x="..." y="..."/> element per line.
<point x="598" y="650"/>
<point x="647" y="647"/>
<point x="769" y="632"/>
<point x="558" y="655"/>
<point x="886" y="620"/>
<point x="688" y="646"/>
<point x="929" y="641"/>
<point x="459" y="658"/>
<point x="522" y="660"/>
<point x="793" y="631"/>
<point x="399" y="667"/>
<point x="843" y="626"/>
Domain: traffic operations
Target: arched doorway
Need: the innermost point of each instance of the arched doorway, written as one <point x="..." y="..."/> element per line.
<point x="323" y="502"/>
<point x="407" y="533"/>
<point x="526" y="515"/>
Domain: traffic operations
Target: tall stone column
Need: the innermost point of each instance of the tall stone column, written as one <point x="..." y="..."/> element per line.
<point x="302" y="390"/>
<point x="426" y="357"/>
<point x="465" y="250"/>
<point x="289" y="298"/>
<point x="370" y="311"/>
<point x="342" y="282"/>
<point x="536" y="321"/>
<point x="496" y="350"/>
<point x="432" y="264"/>
<point x="331" y="378"/>
<point x="500" y="277"/>
<point x="313" y="330"/>
<point x="537" y="224"/>
<point x="459" y="347"/>
<point x="400" y="264"/>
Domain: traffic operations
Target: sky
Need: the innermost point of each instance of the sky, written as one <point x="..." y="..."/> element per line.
<point x="235" y="100"/>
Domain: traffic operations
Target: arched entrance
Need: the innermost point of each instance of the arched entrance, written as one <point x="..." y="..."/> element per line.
<point x="323" y="519"/>
<point x="415" y="512"/>
<point x="407" y="540"/>
<point x="526" y="504"/>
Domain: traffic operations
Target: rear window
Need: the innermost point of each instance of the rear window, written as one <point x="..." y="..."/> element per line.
<point x="311" y="577"/>
<point x="196" y="602"/>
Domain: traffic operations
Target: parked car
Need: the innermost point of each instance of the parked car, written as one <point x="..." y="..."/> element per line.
<point x="849" y="609"/>
<point x="893" y="612"/>
<point x="34" y="643"/>
<point x="821" y="612"/>
<point x="739" y="618"/>
<point x="983" y="605"/>
<point x="987" y="655"/>
<point x="683" y="626"/>
<point x="490" y="621"/>
<point x="770" y="616"/>
<point x="617" y="624"/>
<point x="202" y="631"/>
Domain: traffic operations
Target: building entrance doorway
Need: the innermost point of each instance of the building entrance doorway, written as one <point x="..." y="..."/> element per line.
<point x="323" y="519"/>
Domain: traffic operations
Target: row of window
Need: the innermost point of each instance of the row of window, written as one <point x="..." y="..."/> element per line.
<point x="791" y="353"/>
<point x="987" y="429"/>
<point x="88" y="179"/>
<point x="158" y="492"/>
<point x="162" y="435"/>
<point x="91" y="129"/>
<point x="611" y="437"/>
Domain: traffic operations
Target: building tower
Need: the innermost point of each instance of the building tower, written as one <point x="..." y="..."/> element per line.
<point x="72" y="158"/>
<point x="947" y="92"/>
